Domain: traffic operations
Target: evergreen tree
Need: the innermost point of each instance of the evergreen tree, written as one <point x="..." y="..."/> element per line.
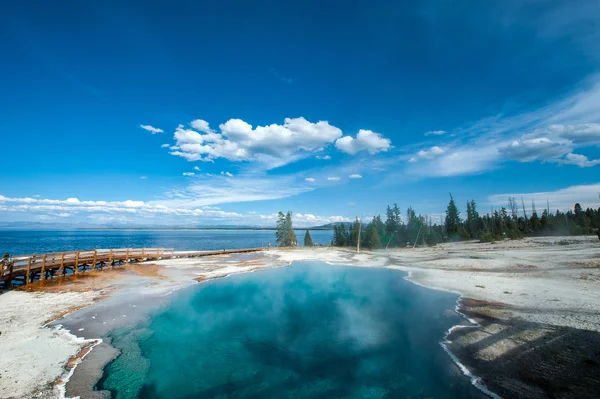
<point x="307" y="239"/>
<point x="354" y="233"/>
<point x="371" y="238"/>
<point x="281" y="233"/>
<point x="291" y="235"/>
<point x="284" y="234"/>
<point x="452" y="219"/>
<point x="472" y="219"/>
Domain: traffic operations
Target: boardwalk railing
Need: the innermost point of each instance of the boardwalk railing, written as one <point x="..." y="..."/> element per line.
<point x="26" y="269"/>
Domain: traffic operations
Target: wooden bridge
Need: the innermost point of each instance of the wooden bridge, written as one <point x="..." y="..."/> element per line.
<point x="26" y="269"/>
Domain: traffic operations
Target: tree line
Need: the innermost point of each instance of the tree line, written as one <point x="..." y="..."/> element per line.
<point x="512" y="221"/>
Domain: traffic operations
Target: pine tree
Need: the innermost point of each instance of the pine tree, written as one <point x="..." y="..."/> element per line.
<point x="284" y="234"/>
<point x="281" y="233"/>
<point x="354" y="234"/>
<point x="452" y="219"/>
<point x="292" y="240"/>
<point x="308" y="240"/>
<point x="472" y="219"/>
<point x="371" y="238"/>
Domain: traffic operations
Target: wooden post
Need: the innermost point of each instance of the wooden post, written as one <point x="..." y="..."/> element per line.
<point x="110" y="258"/>
<point x="142" y="254"/>
<point x="127" y="256"/>
<point x="62" y="264"/>
<point x="94" y="264"/>
<point x="76" y="267"/>
<point x="43" y="273"/>
<point x="28" y="275"/>
<point x="11" y="267"/>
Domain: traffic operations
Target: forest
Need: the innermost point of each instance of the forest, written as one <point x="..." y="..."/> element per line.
<point x="510" y="222"/>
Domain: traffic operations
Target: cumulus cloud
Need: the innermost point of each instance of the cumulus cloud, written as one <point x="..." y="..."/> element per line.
<point x="333" y="178"/>
<point x="580" y="160"/>
<point x="435" y="133"/>
<point x="323" y="157"/>
<point x="366" y="140"/>
<point x="430" y="153"/>
<point x="355" y="176"/>
<point x="189" y="174"/>
<point x="273" y="145"/>
<point x="197" y="169"/>
<point x="201" y="126"/>
<point x="310" y="179"/>
<point x="307" y="219"/>
<point x="540" y="148"/>
<point x="165" y="146"/>
<point x="151" y="129"/>
<point x="581" y="135"/>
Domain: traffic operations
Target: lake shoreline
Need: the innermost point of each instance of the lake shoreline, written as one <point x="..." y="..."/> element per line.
<point x="461" y="268"/>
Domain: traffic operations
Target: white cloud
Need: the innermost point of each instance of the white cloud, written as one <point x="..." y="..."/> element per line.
<point x="189" y="174"/>
<point x="310" y="179"/>
<point x="323" y="157"/>
<point x="223" y="173"/>
<point x="165" y="146"/>
<point x="201" y="126"/>
<point x="143" y="177"/>
<point x="218" y="189"/>
<point x="273" y="145"/>
<point x="307" y="219"/>
<point x="366" y="140"/>
<point x="462" y="160"/>
<point x="435" y="133"/>
<point x="333" y="178"/>
<point x="431" y="152"/>
<point x="197" y="169"/>
<point x="546" y="134"/>
<point x="580" y="135"/>
<point x="151" y="129"/>
<point x="540" y="148"/>
<point x="563" y="199"/>
<point x="580" y="160"/>
<point x="355" y="176"/>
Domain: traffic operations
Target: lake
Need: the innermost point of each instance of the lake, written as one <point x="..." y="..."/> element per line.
<point x="310" y="330"/>
<point x="18" y="242"/>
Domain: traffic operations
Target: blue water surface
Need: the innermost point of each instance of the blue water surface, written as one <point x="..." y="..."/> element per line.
<point x="19" y="242"/>
<point x="307" y="331"/>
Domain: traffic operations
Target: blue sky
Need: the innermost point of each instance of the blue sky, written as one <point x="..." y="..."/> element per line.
<point x="203" y="113"/>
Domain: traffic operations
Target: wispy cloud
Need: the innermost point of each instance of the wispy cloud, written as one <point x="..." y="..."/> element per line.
<point x="563" y="199"/>
<point x="310" y="179"/>
<point x="435" y="133"/>
<point x="284" y="79"/>
<point x="333" y="178"/>
<point x="355" y="176"/>
<point x="547" y="134"/>
<point x="151" y="129"/>
<point x="189" y="174"/>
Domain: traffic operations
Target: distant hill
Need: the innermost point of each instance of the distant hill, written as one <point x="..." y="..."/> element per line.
<point x="330" y="226"/>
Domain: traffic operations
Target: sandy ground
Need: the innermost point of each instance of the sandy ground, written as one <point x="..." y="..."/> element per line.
<point x="31" y="355"/>
<point x="530" y="297"/>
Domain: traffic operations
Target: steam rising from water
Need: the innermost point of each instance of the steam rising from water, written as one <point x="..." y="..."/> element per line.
<point x="307" y="331"/>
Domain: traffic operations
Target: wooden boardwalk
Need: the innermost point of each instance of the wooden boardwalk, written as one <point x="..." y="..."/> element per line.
<point x="27" y="269"/>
